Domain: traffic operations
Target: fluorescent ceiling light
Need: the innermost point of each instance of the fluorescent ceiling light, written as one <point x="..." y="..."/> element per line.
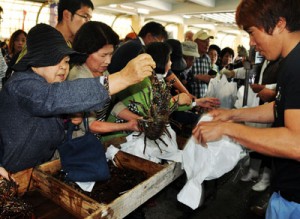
<point x="127" y="7"/>
<point x="142" y="11"/>
<point x="187" y="16"/>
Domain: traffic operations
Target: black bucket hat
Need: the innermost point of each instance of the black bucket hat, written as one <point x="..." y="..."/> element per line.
<point x="46" y="46"/>
<point x="178" y="62"/>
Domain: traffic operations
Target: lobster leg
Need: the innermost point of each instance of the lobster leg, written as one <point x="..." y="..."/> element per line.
<point x="145" y="139"/>
<point x="158" y="145"/>
<point x="167" y="133"/>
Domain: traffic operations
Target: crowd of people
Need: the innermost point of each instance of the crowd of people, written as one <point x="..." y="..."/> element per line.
<point x="85" y="68"/>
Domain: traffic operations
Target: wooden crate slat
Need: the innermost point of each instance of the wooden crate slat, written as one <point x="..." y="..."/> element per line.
<point x="123" y="159"/>
<point x="23" y="180"/>
<point x="65" y="196"/>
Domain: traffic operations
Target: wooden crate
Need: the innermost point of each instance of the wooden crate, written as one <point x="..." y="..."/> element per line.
<point x="41" y="179"/>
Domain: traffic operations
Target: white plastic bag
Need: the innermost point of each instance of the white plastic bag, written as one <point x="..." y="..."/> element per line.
<point x="206" y="163"/>
<point x="219" y="87"/>
<point x="135" y="145"/>
<point x="252" y="99"/>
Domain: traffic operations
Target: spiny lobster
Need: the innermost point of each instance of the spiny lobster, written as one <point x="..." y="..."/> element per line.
<point x="157" y="111"/>
<point x="12" y="206"/>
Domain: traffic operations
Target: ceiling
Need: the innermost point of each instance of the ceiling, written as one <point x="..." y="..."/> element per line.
<point x="193" y="13"/>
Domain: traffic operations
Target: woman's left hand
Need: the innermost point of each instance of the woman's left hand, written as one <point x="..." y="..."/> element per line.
<point x="133" y="125"/>
<point x="183" y="99"/>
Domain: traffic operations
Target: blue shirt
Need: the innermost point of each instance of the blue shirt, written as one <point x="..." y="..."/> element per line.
<point x="31" y="126"/>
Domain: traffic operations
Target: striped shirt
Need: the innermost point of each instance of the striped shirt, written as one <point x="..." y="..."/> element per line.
<point x="201" y="66"/>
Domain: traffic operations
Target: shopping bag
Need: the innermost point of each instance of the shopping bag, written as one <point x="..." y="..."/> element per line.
<point x="83" y="159"/>
<point x="221" y="88"/>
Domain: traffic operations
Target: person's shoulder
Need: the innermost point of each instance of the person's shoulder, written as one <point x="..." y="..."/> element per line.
<point x="206" y="56"/>
<point x="79" y="71"/>
<point x="22" y="77"/>
<point x="129" y="45"/>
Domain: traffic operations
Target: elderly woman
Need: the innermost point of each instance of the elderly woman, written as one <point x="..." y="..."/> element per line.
<point x="98" y="40"/>
<point x="36" y="96"/>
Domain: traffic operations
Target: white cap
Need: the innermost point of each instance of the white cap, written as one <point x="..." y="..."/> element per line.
<point x="190" y="48"/>
<point x="202" y="35"/>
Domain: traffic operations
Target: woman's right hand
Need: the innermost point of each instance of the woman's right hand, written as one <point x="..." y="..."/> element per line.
<point x="138" y="68"/>
<point x="135" y="71"/>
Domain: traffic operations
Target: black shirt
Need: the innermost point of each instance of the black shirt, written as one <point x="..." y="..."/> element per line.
<point x="286" y="172"/>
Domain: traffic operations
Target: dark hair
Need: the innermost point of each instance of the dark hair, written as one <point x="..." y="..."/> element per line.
<point x="92" y="36"/>
<point x="156" y="29"/>
<point x="215" y="47"/>
<point x="160" y="53"/>
<point x="72" y="6"/>
<point x="226" y="50"/>
<point x="266" y="13"/>
<point x="13" y="38"/>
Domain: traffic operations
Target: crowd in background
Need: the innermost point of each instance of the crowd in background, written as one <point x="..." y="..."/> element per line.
<point x="192" y="66"/>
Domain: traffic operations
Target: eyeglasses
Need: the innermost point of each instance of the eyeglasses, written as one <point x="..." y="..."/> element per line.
<point x="86" y="17"/>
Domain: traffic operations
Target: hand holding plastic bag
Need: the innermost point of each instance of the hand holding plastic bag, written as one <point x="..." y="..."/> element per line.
<point x="206" y="163"/>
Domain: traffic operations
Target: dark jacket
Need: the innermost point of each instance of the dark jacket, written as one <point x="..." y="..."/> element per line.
<point x="31" y="126"/>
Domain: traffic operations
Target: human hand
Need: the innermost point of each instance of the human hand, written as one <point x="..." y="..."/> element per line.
<point x="257" y="87"/>
<point x="183" y="99"/>
<point x="228" y="73"/>
<point x="208" y="131"/>
<point x="138" y="68"/>
<point x="267" y="95"/>
<point x="4" y="173"/>
<point x="221" y="114"/>
<point x="208" y="102"/>
<point x="133" y="125"/>
<point x="76" y="119"/>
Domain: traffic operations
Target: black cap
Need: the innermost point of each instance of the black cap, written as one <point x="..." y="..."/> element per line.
<point x="46" y="46"/>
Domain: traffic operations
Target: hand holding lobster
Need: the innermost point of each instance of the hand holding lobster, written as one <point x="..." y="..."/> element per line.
<point x="138" y="68"/>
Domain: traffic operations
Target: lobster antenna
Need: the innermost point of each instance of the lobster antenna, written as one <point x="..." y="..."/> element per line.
<point x="133" y="31"/>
